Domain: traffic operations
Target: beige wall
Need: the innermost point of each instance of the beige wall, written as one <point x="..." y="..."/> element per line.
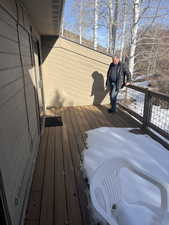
<point x="73" y="74"/>
<point x="18" y="109"/>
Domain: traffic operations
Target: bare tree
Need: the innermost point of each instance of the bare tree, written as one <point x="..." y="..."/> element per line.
<point x="110" y="25"/>
<point x="115" y="26"/>
<point x="136" y="16"/>
<point x="95" y="34"/>
<point x="146" y="11"/>
<point x="112" y="20"/>
<point x="123" y="36"/>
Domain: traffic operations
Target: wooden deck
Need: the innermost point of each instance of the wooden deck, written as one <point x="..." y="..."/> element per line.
<point x="58" y="190"/>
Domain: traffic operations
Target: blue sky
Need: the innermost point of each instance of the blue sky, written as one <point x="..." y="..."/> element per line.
<point x="68" y="11"/>
<point x="70" y="19"/>
<point x="70" y="22"/>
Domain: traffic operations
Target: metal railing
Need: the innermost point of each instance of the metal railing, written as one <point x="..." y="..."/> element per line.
<point x="149" y="107"/>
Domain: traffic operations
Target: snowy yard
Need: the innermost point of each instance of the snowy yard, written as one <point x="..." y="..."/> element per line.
<point x="159" y="115"/>
<point x="105" y="143"/>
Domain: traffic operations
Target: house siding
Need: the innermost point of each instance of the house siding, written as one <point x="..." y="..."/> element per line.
<point x="68" y="69"/>
<point x="19" y="134"/>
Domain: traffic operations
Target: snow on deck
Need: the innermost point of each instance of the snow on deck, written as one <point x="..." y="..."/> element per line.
<point x="142" y="150"/>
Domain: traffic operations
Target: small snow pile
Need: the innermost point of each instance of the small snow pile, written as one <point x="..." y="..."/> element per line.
<point x="143" y="77"/>
<point x="144" y="84"/>
<point x="105" y="143"/>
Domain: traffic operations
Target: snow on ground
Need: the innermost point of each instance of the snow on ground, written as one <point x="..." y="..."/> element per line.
<point x="159" y="116"/>
<point x="141" y="77"/>
<point x="137" y="100"/>
<point x="142" y="84"/>
<point x="142" y="150"/>
<point x="144" y="77"/>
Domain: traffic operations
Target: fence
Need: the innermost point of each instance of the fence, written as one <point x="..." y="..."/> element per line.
<point x="149" y="107"/>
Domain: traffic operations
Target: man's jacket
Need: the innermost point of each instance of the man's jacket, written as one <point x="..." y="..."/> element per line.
<point x="122" y="75"/>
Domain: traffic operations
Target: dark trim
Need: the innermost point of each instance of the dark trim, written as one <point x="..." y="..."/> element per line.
<point x="152" y="93"/>
<point x="159" y="130"/>
<point x="137" y="88"/>
<point x="160" y="95"/>
<point x="137" y="116"/>
<point x="147" y="109"/>
<point x="4" y="211"/>
<point x="146" y="119"/>
<point x="147" y="131"/>
<point x="149" y="124"/>
<point x="157" y="138"/>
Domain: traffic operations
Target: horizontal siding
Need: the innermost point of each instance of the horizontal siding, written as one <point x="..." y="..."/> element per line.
<point x="68" y="75"/>
<point x="15" y="152"/>
<point x="10" y="6"/>
<point x="9" y="61"/>
<point x="9" y="91"/>
<point x="9" y="32"/>
<point x="9" y="76"/>
<point x="16" y="132"/>
<point x="17" y="83"/>
<point x="8" y="46"/>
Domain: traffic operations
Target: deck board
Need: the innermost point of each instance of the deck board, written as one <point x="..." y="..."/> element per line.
<point x="73" y="204"/>
<point x="47" y="205"/>
<point x="60" y="208"/>
<point x="76" y="149"/>
<point x="34" y="204"/>
<point x="58" y="189"/>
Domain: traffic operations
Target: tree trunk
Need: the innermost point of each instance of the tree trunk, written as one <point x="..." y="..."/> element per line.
<point x="95" y="24"/>
<point x="110" y="25"/>
<point x="114" y="26"/>
<point x="123" y="30"/>
<point x="136" y="14"/>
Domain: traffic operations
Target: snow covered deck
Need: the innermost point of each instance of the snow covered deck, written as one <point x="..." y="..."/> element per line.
<point x="58" y="190"/>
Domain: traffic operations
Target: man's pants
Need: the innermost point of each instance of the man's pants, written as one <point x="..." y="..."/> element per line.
<point x="113" y="97"/>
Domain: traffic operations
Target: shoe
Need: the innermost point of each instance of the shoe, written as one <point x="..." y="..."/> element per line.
<point x="111" y="110"/>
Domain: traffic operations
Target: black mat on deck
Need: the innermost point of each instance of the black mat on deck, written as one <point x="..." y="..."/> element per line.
<point x="53" y="121"/>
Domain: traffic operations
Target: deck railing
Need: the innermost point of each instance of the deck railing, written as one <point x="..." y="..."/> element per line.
<point x="149" y="107"/>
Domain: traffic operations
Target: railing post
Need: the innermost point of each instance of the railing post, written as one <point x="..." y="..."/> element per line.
<point x="147" y="109"/>
<point x="125" y="97"/>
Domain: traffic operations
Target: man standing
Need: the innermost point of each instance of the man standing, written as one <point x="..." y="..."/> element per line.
<point x="116" y="79"/>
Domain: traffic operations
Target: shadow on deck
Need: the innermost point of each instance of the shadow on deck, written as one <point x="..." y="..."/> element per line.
<point x="58" y="190"/>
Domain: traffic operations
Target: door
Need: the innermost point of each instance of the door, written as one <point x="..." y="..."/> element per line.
<point x="38" y="79"/>
<point x="37" y="73"/>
